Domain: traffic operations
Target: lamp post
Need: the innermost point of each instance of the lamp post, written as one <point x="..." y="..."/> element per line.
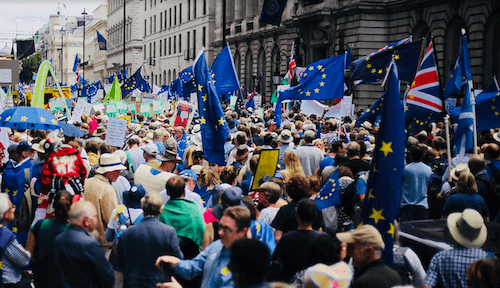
<point x="62" y="54"/>
<point x="83" y="62"/>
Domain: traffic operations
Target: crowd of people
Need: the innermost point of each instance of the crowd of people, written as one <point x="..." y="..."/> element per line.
<point x="76" y="212"/>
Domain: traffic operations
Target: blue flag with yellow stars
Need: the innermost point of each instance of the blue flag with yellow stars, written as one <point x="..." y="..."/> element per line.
<point x="373" y="67"/>
<point x="214" y="128"/>
<point x="488" y="110"/>
<point x="240" y="102"/>
<point x="329" y="195"/>
<point x="122" y="75"/>
<point x="136" y="81"/>
<point x="385" y="180"/>
<point x="91" y="90"/>
<point x="182" y="144"/>
<point x="461" y="73"/>
<point x="372" y="113"/>
<point x="322" y="80"/>
<point x="224" y="73"/>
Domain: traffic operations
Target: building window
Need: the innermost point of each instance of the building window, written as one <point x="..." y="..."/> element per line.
<point x="165" y="46"/>
<point x="155" y="3"/>
<point x="175" y="15"/>
<point x="164" y="76"/>
<point x="145" y="5"/>
<point x="151" y="6"/>
<point x="194" y="40"/>
<point x="189" y="10"/>
<point x="203" y="37"/>
<point x="161" y="20"/>
<point x="175" y="47"/>
<point x="165" y="20"/>
<point x="204" y="7"/>
<point x="180" y="46"/>
<point x="150" y="49"/>
<point x="154" y="25"/>
<point x="180" y="13"/>
<point x="145" y="27"/>
<point x="169" y="45"/>
<point x="170" y="17"/>
<point x="154" y="53"/>
<point x="188" y="41"/>
<point x="145" y="52"/>
<point x="194" y="8"/>
<point x="160" y="48"/>
<point x="150" y="25"/>
<point x="160" y="79"/>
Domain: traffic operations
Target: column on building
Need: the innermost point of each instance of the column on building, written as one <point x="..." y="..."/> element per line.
<point x="250" y="9"/>
<point x="239" y="10"/>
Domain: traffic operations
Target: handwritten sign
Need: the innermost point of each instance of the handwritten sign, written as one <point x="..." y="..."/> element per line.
<point x="157" y="106"/>
<point x="132" y="107"/>
<point x="98" y="107"/>
<point x="56" y="104"/>
<point x="146" y="109"/>
<point x="81" y="107"/>
<point x="183" y="114"/>
<point x="116" y="132"/>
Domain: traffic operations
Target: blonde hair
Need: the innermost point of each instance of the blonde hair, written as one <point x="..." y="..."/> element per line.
<point x="292" y="164"/>
<point x="188" y="155"/>
<point x="320" y="141"/>
<point x="208" y="178"/>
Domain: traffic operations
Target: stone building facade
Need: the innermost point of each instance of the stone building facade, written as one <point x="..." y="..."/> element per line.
<point x="325" y="28"/>
<point x="96" y="69"/>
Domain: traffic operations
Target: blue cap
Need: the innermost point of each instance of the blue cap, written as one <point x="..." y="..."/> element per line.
<point x="189" y="173"/>
<point x="132" y="197"/>
<point x="24" y="146"/>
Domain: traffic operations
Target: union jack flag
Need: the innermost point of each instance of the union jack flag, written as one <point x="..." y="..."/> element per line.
<point x="292" y="65"/>
<point x="424" y="101"/>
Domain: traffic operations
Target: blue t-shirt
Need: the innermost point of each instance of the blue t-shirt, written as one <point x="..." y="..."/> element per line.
<point x="461" y="201"/>
<point x="327" y="161"/>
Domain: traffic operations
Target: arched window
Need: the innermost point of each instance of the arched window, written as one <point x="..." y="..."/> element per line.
<point x="165" y="77"/>
<point x="249" y="70"/>
<point x="169" y="76"/>
<point x="422" y="30"/>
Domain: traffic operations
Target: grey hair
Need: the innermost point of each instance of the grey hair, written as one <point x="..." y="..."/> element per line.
<point x="170" y="144"/>
<point x="4" y="204"/>
<point x="80" y="209"/>
<point x="152" y="204"/>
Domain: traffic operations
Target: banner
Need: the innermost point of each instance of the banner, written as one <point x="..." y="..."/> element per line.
<point x="56" y="104"/>
<point x="132" y="107"/>
<point x="38" y="95"/>
<point x="111" y="110"/>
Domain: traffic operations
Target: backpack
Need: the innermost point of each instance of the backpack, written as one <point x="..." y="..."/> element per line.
<point x="123" y="226"/>
<point x="495" y="184"/>
<point x="26" y="212"/>
<point x="350" y="197"/>
<point x="401" y="265"/>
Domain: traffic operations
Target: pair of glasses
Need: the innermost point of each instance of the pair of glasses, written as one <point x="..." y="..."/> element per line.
<point x="199" y="157"/>
<point x="226" y="229"/>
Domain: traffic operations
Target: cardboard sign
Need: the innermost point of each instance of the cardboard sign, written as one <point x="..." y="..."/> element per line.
<point x="98" y="107"/>
<point x="56" y="104"/>
<point x="145" y="109"/>
<point x="121" y="107"/>
<point x="148" y="98"/>
<point x="267" y="165"/>
<point x="127" y="118"/>
<point x="183" y="114"/>
<point x="116" y="132"/>
<point x="157" y="106"/>
<point x="232" y="101"/>
<point x="132" y="107"/>
<point x="81" y="107"/>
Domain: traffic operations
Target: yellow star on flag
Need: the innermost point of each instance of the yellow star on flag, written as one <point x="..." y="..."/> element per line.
<point x="386" y="148"/>
<point x="14" y="193"/>
<point x="380" y="71"/>
<point x="54" y="121"/>
<point x="203" y="120"/>
<point x="316" y="90"/>
<point x="322" y="84"/>
<point x="367" y="58"/>
<point x="370" y="194"/>
<point x="496" y="113"/>
<point x="320" y="67"/>
<point x="391" y="230"/>
<point x="204" y="97"/>
<point x="377" y="215"/>
<point x="8" y="118"/>
<point x="221" y="121"/>
<point x="412" y="96"/>
<point x="493" y="107"/>
<point x="374" y="71"/>
<point x="308" y="93"/>
<point x="396" y="57"/>
<point x="323" y="76"/>
<point x="213" y="75"/>
<point x="24" y="118"/>
<point x="14" y="229"/>
<point x="390" y="47"/>
<point x="7" y="190"/>
<point x="369" y="66"/>
<point x="200" y="87"/>
<point x="42" y="119"/>
<point x="311" y="68"/>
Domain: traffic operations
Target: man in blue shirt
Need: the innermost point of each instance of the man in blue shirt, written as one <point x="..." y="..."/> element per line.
<point x="416" y="178"/>
<point x="213" y="262"/>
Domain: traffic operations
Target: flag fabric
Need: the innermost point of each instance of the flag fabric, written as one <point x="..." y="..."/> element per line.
<point x="25" y="48"/>
<point x="250" y="103"/>
<point x="272" y="11"/>
<point x="371" y="114"/>
<point x="322" y="80"/>
<point x="214" y="128"/>
<point x="114" y="94"/>
<point x="373" y="67"/>
<point x="385" y="180"/>
<point x="182" y="144"/>
<point x="464" y="136"/>
<point x="82" y="81"/>
<point x="292" y="65"/>
<point x="274" y="97"/>
<point x="424" y="102"/>
<point x="224" y="73"/>
<point x="461" y="73"/>
<point x="175" y="89"/>
<point x="74" y="87"/>
<point x="136" y="81"/>
<point x="187" y="83"/>
<point x="76" y="67"/>
<point x="491" y="87"/>
<point x="488" y="108"/>
<point x="329" y="195"/>
<point x="101" y="41"/>
<point x="91" y="90"/>
<point x="240" y="102"/>
<point x="122" y="75"/>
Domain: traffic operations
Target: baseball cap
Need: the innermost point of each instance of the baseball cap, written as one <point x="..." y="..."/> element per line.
<point x="24" y="146"/>
<point x="151" y="149"/>
<point x="188" y="174"/>
<point x="366" y="234"/>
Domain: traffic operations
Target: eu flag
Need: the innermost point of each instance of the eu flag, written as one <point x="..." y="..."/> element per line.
<point x="488" y="108"/>
<point x="187" y="83"/>
<point x="240" y="102"/>
<point x="91" y="90"/>
<point x="122" y="75"/>
<point x="329" y="195"/>
<point x="322" y="80"/>
<point x="464" y="140"/>
<point x="175" y="89"/>
<point x="74" y="87"/>
<point x="101" y="41"/>
<point x="373" y="67"/>
<point x="224" y="73"/>
<point x="182" y="144"/>
<point x="214" y="128"/>
<point x="186" y="75"/>
<point x="373" y="112"/>
<point x="272" y="11"/>
<point x="136" y="81"/>
<point x="75" y="64"/>
<point x="461" y="73"/>
<point x="385" y="180"/>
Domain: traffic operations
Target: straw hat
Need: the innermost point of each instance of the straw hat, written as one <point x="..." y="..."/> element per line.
<point x="468" y="228"/>
<point x="108" y="163"/>
<point x="458" y="170"/>
<point x="101" y="130"/>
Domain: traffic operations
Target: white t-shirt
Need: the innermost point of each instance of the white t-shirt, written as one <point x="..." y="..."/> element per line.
<point x="114" y="221"/>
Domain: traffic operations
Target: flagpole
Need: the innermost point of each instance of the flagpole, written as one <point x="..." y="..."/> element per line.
<point x="473" y="103"/>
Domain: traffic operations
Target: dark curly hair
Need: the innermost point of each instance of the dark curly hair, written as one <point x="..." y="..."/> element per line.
<point x="297" y="187"/>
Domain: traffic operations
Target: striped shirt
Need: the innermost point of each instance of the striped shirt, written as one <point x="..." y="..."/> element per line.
<point x="14" y="258"/>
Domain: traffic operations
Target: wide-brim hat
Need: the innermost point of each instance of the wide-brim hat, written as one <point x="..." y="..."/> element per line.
<point x="367" y="125"/>
<point x="496" y="136"/>
<point x="169" y="156"/>
<point x="322" y="276"/>
<point x="109" y="162"/>
<point x="285" y="136"/>
<point x="458" y="170"/>
<point x="162" y="117"/>
<point x="133" y="127"/>
<point x="366" y="234"/>
<point x="468" y="228"/>
<point x="196" y="128"/>
<point x="101" y="130"/>
<point x="241" y="152"/>
<point x="40" y="147"/>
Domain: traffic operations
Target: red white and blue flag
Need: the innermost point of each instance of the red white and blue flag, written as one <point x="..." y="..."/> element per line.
<point x="424" y="100"/>
<point x="292" y="65"/>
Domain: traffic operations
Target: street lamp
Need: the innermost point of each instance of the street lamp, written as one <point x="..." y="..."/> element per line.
<point x="83" y="62"/>
<point x="276" y="76"/>
<point x="62" y="54"/>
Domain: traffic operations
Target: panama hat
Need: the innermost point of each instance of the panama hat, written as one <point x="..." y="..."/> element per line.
<point x="109" y="162"/>
<point x="458" y="170"/>
<point x="285" y="136"/>
<point x="101" y="130"/>
<point x="468" y="228"/>
<point x="169" y="156"/>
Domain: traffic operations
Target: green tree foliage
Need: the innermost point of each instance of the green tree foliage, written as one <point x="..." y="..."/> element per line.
<point x="29" y="66"/>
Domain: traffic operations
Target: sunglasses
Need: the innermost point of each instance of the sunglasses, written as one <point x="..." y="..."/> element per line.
<point x="226" y="229"/>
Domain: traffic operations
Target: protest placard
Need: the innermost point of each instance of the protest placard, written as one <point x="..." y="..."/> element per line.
<point x="146" y="109"/>
<point x="183" y="114"/>
<point x="268" y="161"/>
<point x="81" y="107"/>
<point x="132" y="107"/>
<point x="116" y="131"/>
<point x="157" y="106"/>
